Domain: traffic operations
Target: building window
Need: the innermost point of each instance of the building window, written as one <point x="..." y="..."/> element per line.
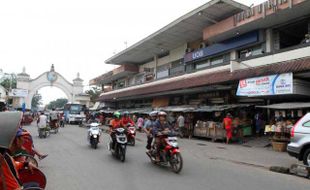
<point x="291" y="34"/>
<point x="220" y="59"/>
<point x="251" y="51"/>
<point x="203" y="65"/>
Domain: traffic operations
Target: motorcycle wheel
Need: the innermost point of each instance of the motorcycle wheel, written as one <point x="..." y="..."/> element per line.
<point x="122" y="154"/>
<point x="176" y="163"/>
<point x="133" y="142"/>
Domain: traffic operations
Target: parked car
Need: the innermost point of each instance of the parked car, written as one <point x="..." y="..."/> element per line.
<point x="299" y="146"/>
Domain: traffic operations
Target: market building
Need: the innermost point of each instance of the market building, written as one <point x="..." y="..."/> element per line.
<point x="221" y="56"/>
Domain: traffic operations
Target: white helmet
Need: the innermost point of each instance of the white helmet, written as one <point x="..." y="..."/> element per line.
<point x="162" y="113"/>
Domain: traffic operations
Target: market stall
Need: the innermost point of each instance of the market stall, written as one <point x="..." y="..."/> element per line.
<point x="284" y="116"/>
<point x="210" y="125"/>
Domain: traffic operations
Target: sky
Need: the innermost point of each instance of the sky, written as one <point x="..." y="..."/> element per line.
<point x="79" y="35"/>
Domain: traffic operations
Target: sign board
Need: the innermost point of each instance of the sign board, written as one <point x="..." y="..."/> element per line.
<point x="17" y="92"/>
<point x="266" y="85"/>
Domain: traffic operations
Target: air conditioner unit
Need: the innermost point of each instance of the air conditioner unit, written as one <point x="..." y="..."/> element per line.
<point x="188" y="50"/>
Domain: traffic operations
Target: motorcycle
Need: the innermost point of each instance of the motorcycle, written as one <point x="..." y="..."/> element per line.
<point x="118" y="148"/>
<point x="44" y="131"/>
<point x="169" y="155"/>
<point x="93" y="135"/>
<point x="131" y="135"/>
<point x="62" y="121"/>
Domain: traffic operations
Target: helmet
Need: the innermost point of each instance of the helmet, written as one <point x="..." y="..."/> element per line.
<point x="153" y="114"/>
<point x="117" y="114"/>
<point x="126" y="113"/>
<point x="162" y="113"/>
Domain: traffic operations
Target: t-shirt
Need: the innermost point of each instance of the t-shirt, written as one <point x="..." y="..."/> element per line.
<point x="181" y="121"/>
<point x="54" y="115"/>
<point x="149" y="124"/>
<point x="42" y="121"/>
<point x="140" y="122"/>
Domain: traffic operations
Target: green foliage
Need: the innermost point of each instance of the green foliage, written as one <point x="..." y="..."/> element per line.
<point x="59" y="103"/>
<point x="7" y="83"/>
<point x="36" y="101"/>
<point x="94" y="93"/>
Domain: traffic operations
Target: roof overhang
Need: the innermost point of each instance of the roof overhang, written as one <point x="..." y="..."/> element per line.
<point x="186" y="29"/>
<point x="206" y="78"/>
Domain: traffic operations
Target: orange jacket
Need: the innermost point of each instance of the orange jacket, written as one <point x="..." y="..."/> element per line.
<point x="10" y="174"/>
<point x="115" y="123"/>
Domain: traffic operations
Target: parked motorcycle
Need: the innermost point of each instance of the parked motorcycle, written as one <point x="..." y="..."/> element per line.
<point x="170" y="155"/>
<point x="93" y="135"/>
<point x="118" y="147"/>
<point x="131" y="135"/>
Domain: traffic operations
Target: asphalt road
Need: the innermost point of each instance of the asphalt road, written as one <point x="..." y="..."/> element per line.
<point x="73" y="165"/>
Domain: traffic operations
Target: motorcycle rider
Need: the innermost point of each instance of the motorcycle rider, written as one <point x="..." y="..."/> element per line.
<point x="114" y="124"/>
<point x="54" y="118"/>
<point x="161" y="125"/>
<point x="126" y="120"/>
<point x="148" y="126"/>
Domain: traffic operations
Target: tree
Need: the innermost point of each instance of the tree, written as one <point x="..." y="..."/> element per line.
<point x="8" y="83"/>
<point x="58" y="103"/>
<point x="36" y="101"/>
<point x="94" y="93"/>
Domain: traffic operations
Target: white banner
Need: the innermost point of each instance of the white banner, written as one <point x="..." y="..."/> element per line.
<point x="16" y="92"/>
<point x="266" y="85"/>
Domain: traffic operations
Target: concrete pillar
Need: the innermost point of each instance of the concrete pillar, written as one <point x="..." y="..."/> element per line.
<point x="155" y="68"/>
<point x="233" y="55"/>
<point x="269" y="41"/>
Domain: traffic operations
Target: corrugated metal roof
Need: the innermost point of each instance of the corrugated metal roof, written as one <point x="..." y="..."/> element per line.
<point x="181" y="31"/>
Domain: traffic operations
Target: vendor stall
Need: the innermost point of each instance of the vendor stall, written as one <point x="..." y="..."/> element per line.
<point x="284" y="116"/>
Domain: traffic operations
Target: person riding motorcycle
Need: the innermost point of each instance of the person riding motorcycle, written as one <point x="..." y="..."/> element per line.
<point x="148" y="126"/>
<point x="54" y="118"/>
<point x="161" y="126"/>
<point x="126" y="120"/>
<point x="114" y="124"/>
<point x="9" y="167"/>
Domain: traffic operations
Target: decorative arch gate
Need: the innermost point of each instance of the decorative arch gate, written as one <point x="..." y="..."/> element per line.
<point x="73" y="91"/>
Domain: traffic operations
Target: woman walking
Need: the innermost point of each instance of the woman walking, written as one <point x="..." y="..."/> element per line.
<point x="227" y="122"/>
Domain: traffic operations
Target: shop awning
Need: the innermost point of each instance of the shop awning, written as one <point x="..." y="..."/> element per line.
<point x="288" y="105"/>
<point x="183" y="108"/>
<point x="220" y="107"/>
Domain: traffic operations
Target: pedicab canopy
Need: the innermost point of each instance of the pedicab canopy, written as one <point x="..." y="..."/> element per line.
<point x="9" y="123"/>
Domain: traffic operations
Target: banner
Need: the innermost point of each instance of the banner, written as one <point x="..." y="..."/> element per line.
<point x="16" y="92"/>
<point x="266" y="85"/>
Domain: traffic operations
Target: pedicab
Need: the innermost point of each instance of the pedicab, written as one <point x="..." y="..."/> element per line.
<point x="27" y="153"/>
<point x="9" y="125"/>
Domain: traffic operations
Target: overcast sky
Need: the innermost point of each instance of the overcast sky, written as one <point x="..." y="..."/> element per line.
<point x="78" y="35"/>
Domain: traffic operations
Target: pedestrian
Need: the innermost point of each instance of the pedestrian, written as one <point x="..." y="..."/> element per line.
<point x="140" y="123"/>
<point x="181" y="125"/>
<point x="227" y="122"/>
<point x="258" y="123"/>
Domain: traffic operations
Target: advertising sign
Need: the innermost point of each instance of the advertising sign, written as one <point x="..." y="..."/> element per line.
<point x="17" y="92"/>
<point x="266" y="85"/>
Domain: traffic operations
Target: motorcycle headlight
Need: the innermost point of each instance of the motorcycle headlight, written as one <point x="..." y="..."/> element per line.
<point x="95" y="136"/>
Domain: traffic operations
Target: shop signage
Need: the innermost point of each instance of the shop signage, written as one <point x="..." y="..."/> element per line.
<point x="17" y="92"/>
<point x="266" y="85"/>
<point x="233" y="43"/>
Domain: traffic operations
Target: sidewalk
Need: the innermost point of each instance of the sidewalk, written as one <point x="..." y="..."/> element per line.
<point x="248" y="154"/>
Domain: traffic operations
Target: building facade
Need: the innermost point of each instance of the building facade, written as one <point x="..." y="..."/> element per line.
<point x="220" y="53"/>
